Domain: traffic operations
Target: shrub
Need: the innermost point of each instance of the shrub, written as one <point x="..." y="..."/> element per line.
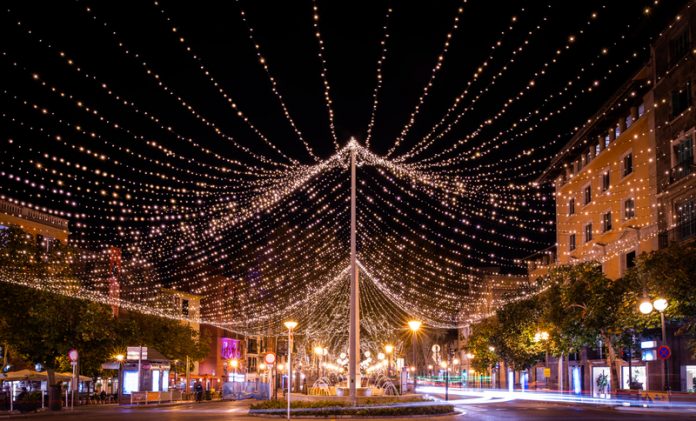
<point x="28" y="402"/>
<point x="340" y="408"/>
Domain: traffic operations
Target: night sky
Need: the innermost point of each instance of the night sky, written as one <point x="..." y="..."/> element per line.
<point x="351" y="32"/>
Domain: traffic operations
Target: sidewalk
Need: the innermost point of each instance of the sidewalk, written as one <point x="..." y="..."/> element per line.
<point x="91" y="409"/>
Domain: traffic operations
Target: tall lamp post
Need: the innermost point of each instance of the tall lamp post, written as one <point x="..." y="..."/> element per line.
<point x="234" y="364"/>
<point x="414" y="325"/>
<point x="660" y="304"/>
<point x="469" y="356"/>
<point x="120" y="358"/>
<point x="318" y="352"/>
<point x="443" y="364"/>
<point x="389" y="349"/>
<point x="290" y="325"/>
<point x="543" y="336"/>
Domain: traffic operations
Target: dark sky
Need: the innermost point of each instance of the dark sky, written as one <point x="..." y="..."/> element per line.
<point x="104" y="74"/>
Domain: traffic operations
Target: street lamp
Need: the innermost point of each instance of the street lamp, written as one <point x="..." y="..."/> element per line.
<point x="469" y="356"/>
<point x="318" y="353"/>
<point x="234" y="363"/>
<point x="290" y="325"/>
<point x="119" y="358"/>
<point x="389" y="349"/>
<point x="660" y="305"/>
<point x="443" y="364"/>
<point x="414" y="325"/>
<point x="544" y="336"/>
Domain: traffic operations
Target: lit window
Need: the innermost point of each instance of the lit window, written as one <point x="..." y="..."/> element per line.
<point x="641" y="110"/>
<point x="629" y="121"/>
<point x="629" y="209"/>
<point x="606" y="222"/>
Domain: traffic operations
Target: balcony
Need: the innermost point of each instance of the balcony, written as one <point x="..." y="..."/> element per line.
<point x="681" y="171"/>
<point x="682" y="232"/>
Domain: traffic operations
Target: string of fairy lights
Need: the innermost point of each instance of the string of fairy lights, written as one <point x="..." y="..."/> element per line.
<point x="259" y="230"/>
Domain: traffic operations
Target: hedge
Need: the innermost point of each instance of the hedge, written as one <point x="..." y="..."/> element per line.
<point x="376" y="411"/>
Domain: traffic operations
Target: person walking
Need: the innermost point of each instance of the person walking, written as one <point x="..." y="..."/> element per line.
<point x="198" y="389"/>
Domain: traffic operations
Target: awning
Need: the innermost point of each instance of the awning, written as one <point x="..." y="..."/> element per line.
<point x="31" y="375"/>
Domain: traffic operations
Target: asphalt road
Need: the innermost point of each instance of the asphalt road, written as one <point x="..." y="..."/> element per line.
<point x="510" y="410"/>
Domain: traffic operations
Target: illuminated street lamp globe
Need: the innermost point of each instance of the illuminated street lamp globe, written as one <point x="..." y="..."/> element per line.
<point x="414" y="325"/>
<point x="646" y="307"/>
<point x="389" y="348"/>
<point x="660" y="304"/>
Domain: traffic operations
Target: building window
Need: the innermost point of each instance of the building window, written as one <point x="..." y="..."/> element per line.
<point x="681" y="99"/>
<point x="629" y="208"/>
<point x="607" y="139"/>
<point x="605" y="181"/>
<point x="587" y="194"/>
<point x="679" y="46"/>
<point x="588" y="232"/>
<point x="686" y="219"/>
<point x="571" y="242"/>
<point x="683" y="159"/>
<point x="185" y="307"/>
<point x="627" y="164"/>
<point x="606" y="222"/>
<point x="617" y="131"/>
<point x="629" y="121"/>
<point x="630" y="259"/>
<point x="598" y="149"/>
<point x="571" y="206"/>
<point x="641" y="110"/>
<point x="684" y="152"/>
<point x="588" y="156"/>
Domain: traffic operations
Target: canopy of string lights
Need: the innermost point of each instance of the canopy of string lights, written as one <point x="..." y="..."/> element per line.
<point x="211" y="147"/>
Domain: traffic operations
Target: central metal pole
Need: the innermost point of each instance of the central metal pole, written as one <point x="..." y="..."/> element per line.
<point x="665" y="367"/>
<point x="354" y="332"/>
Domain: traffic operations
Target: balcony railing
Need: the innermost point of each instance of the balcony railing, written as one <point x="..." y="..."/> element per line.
<point x="682" y="232"/>
<point x="681" y="171"/>
<point x="32" y="215"/>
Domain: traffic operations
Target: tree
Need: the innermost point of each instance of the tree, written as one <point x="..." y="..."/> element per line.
<point x="480" y="342"/>
<point x="586" y="305"/>
<point x="669" y="273"/>
<point x="517" y="322"/>
<point x="39" y="322"/>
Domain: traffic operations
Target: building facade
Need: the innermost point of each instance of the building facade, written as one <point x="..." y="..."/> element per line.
<point x="674" y="65"/>
<point x="605" y="183"/>
<point x="626" y="184"/>
<point x="44" y="226"/>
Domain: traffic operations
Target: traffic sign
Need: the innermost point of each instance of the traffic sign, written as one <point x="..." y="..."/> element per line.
<point x="270" y="358"/>
<point x="73" y="355"/>
<point x="663" y="352"/>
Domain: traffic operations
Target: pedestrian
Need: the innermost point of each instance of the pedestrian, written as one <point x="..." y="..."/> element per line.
<point x="198" y="389"/>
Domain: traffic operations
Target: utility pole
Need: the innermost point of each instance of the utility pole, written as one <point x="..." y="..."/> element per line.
<point x="354" y="332"/>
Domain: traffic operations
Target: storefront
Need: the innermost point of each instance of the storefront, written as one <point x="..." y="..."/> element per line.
<point x="145" y="370"/>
